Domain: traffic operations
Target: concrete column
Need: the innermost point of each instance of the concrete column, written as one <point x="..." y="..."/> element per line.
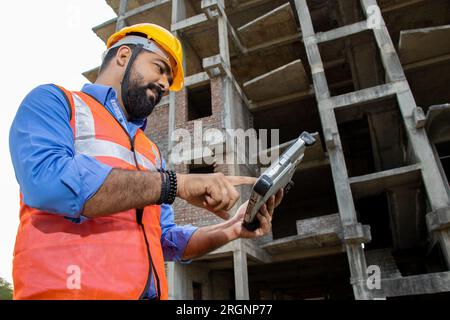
<point x="444" y="239"/>
<point x="355" y="253"/>
<point x="358" y="268"/>
<point x="422" y="149"/>
<point x="176" y="278"/>
<point x="240" y="272"/>
<point x="121" y="23"/>
<point x="178" y="14"/>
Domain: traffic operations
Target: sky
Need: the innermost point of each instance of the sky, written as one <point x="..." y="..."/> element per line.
<point x="45" y="41"/>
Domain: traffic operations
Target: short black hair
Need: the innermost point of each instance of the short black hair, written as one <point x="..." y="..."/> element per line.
<point x="110" y="55"/>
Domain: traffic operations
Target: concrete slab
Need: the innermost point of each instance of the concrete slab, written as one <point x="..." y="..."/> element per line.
<point x="92" y="74"/>
<point x="302" y="243"/>
<point x="373" y="184"/>
<point x="269" y="26"/>
<point x="414" y="285"/>
<point x="282" y="81"/>
<point x="438" y="123"/>
<point x="135" y="4"/>
<point x="421" y="44"/>
<point x="254" y="64"/>
<point x="158" y="12"/>
<point x="204" y="39"/>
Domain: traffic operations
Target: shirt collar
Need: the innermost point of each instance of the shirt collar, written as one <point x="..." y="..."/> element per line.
<point x="100" y="92"/>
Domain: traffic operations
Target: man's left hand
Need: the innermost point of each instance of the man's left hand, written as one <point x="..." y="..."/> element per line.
<point x="264" y="216"/>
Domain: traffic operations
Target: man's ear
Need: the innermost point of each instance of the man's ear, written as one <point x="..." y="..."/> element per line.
<point x="123" y="55"/>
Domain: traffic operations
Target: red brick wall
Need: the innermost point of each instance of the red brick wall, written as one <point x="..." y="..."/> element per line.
<point x="185" y="213"/>
<point x="158" y="128"/>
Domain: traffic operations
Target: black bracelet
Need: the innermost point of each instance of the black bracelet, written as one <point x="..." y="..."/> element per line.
<point x="168" y="187"/>
<point x="173" y="187"/>
<point x="163" y="187"/>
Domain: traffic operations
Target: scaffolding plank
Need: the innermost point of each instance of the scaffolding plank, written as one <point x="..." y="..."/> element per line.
<point x="282" y="81"/>
<point x="270" y="26"/>
<point x="424" y="44"/>
<point x="372" y="184"/>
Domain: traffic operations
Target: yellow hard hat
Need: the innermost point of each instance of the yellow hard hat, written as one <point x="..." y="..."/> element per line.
<point x="163" y="38"/>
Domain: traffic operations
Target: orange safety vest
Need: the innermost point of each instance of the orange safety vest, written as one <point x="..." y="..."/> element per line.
<point x="108" y="257"/>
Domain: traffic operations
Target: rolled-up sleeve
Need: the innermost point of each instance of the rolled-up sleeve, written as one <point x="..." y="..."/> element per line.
<point x="174" y="239"/>
<point x="51" y="176"/>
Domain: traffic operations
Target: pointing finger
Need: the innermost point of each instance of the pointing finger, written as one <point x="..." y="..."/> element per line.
<point x="239" y="181"/>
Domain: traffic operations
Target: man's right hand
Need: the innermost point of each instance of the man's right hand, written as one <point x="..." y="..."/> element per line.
<point x="214" y="192"/>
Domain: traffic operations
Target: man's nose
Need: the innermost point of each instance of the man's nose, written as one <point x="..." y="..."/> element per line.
<point x="163" y="83"/>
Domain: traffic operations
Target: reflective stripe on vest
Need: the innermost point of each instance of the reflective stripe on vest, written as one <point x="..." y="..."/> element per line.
<point x="86" y="142"/>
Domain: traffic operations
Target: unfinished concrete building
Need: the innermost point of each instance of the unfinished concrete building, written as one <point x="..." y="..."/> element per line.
<point x="372" y="78"/>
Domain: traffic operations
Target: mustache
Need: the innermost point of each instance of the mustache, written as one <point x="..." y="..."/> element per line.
<point x="157" y="91"/>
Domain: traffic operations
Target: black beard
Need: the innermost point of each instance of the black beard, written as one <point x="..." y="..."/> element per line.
<point x="141" y="105"/>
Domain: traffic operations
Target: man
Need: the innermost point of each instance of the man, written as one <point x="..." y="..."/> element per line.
<point x="95" y="215"/>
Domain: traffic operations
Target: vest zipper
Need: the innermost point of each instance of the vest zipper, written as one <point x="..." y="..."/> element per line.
<point x="139" y="214"/>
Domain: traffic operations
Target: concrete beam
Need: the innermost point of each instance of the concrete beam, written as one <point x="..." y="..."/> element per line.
<point x="145" y="7"/>
<point x="257" y="253"/>
<point x="356" y="234"/>
<point x="197" y="80"/>
<point x="439" y="219"/>
<point x="322" y="230"/>
<point x="216" y="66"/>
<point x="213" y="9"/>
<point x="342" y="32"/>
<point x="189" y="23"/>
<point x="367" y="95"/>
<point x="419" y="118"/>
<point x="372" y="184"/>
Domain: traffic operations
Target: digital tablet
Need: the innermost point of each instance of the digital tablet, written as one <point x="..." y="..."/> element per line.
<point x="277" y="177"/>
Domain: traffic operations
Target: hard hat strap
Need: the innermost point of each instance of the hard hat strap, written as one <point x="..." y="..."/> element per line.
<point x="147" y="44"/>
<point x="126" y="77"/>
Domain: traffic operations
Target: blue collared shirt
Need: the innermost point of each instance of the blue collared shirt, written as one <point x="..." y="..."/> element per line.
<point x="55" y="179"/>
